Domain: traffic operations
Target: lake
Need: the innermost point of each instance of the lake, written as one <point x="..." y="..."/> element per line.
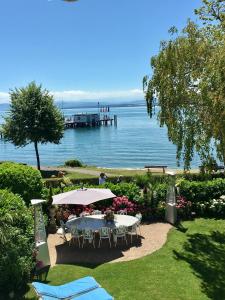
<point x="135" y="142"/>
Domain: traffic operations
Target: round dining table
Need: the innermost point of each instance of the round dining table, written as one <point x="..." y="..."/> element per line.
<point x="95" y="222"/>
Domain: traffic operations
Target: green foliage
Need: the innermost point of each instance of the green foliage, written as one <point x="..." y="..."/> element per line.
<point x="33" y="118"/>
<point x="202" y="191"/>
<point x="16" y="243"/>
<point x="201" y="176"/>
<point x="160" y="191"/>
<point x="188" y="81"/>
<point x="73" y="163"/>
<point x="212" y="11"/>
<point x="211" y="208"/>
<point x="143" y="180"/>
<point x="22" y="180"/>
<point x="130" y="190"/>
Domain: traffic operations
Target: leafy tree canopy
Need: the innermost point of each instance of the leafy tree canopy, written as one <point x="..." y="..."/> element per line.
<point x="189" y="82"/>
<point x="33" y="118"/>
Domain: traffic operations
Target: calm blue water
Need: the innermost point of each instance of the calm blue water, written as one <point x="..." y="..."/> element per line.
<point x="134" y="143"/>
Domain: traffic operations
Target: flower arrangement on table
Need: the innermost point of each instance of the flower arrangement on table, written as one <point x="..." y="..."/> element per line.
<point x="109" y="215"/>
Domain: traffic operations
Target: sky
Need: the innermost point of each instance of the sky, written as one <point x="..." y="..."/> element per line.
<point x="86" y="50"/>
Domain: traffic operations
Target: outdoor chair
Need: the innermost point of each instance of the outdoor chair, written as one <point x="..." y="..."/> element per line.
<point x="96" y="212"/>
<point x="66" y="291"/>
<point x="62" y="230"/>
<point x="119" y="232"/>
<point x="75" y="234"/>
<point x="98" y="294"/>
<point x="122" y="212"/>
<point x="104" y="233"/>
<point x="139" y="217"/>
<point x="88" y="235"/>
<point x="132" y="231"/>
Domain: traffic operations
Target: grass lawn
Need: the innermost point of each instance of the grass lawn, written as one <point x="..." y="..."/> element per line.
<point x="77" y="175"/>
<point x="191" y="266"/>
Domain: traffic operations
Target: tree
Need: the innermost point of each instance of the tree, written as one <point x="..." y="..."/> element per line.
<point x="189" y="82"/>
<point x="33" y="118"/>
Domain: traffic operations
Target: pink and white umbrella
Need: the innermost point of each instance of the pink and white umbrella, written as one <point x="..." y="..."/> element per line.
<point x="83" y="196"/>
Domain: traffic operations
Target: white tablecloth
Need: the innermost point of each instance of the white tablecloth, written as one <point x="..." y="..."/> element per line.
<point x="95" y="222"/>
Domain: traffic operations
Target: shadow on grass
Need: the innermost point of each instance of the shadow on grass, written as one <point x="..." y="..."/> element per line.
<point x="180" y="227"/>
<point x="206" y="255"/>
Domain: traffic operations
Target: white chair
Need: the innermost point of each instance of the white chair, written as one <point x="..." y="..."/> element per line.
<point x="104" y="233"/>
<point x="75" y="234"/>
<point x="139" y="217"/>
<point x="88" y="235"/>
<point x="62" y="230"/>
<point x="132" y="231"/>
<point x="96" y="212"/>
<point x="119" y="232"/>
<point x="84" y="213"/>
<point x="122" y="212"/>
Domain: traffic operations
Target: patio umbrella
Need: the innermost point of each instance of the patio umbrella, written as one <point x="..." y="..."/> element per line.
<point x="83" y="196"/>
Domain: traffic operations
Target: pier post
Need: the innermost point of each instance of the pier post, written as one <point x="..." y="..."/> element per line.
<point x="115" y="120"/>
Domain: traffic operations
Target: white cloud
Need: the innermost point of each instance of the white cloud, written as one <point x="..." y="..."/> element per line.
<point x="76" y="95"/>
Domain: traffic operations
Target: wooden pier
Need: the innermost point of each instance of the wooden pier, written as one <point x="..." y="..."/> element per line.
<point x="85" y="120"/>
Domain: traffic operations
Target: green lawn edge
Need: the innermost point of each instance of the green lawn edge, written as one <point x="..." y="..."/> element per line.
<point x="190" y="266"/>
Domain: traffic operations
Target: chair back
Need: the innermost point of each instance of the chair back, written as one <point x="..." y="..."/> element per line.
<point x="74" y="231"/>
<point x="63" y="226"/>
<point x="97" y="212"/>
<point x="139" y="216"/>
<point x="121" y="230"/>
<point x="104" y="232"/>
<point x="133" y="228"/>
<point x="87" y="233"/>
<point x="122" y="212"/>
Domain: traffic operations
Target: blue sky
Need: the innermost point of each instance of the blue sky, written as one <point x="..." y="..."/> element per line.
<point x="90" y="49"/>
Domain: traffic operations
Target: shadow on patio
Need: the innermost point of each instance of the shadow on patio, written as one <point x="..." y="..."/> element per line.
<point x="66" y="254"/>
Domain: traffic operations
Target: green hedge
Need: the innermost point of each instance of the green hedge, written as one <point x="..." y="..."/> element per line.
<point x="202" y="191"/>
<point x="201" y="176"/>
<point x="16" y="243"/>
<point x="131" y="190"/>
<point x="22" y="180"/>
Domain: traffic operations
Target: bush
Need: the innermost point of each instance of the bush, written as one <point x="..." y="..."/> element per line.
<point x="16" y="243"/>
<point x="122" y="203"/>
<point x="73" y="163"/>
<point x="202" y="191"/>
<point x="212" y="208"/>
<point x="201" y="176"/>
<point x="22" y="180"/>
<point x="183" y="208"/>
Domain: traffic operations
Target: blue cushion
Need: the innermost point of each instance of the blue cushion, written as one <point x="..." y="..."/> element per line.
<point x="97" y="294"/>
<point x="49" y="298"/>
<point x="67" y="290"/>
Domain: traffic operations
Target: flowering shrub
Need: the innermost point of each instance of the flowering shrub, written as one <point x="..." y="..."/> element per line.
<point x="122" y="203"/>
<point x="214" y="207"/>
<point x="183" y="207"/>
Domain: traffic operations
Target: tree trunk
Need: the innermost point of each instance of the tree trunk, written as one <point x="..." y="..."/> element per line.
<point x="37" y="155"/>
